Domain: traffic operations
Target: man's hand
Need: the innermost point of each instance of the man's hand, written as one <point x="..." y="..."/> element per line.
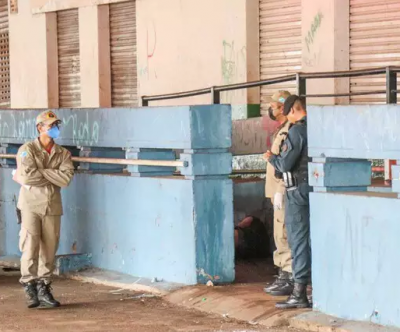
<point x="16" y="179"/>
<point x="267" y="155"/>
<point x="15" y="176"/>
<point x="278" y="201"/>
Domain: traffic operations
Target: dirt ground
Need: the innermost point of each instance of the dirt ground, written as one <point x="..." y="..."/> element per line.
<point x="87" y="307"/>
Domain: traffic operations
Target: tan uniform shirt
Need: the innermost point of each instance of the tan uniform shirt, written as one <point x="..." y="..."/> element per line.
<point x="272" y="184"/>
<point x="42" y="176"/>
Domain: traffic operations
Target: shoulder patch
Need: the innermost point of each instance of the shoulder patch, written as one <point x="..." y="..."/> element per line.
<point x="23" y="154"/>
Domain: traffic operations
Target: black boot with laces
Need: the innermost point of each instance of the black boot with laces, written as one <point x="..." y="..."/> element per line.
<point x="283" y="285"/>
<point x="45" y="297"/>
<point x="31" y="295"/>
<point x="297" y="300"/>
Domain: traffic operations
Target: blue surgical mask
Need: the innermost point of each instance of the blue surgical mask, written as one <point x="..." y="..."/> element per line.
<point x="53" y="132"/>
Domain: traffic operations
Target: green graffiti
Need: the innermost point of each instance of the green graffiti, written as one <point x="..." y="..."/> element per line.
<point x="313" y="30"/>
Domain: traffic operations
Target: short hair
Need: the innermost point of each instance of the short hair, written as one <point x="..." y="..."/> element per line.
<point x="300" y="104"/>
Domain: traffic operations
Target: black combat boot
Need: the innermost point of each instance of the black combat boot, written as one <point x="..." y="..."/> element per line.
<point x="45" y="297"/>
<point x="280" y="281"/>
<point x="285" y="288"/>
<point x="31" y="295"/>
<point x="297" y="300"/>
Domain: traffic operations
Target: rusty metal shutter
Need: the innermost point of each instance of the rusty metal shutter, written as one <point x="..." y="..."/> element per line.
<point x="69" y="73"/>
<point x="4" y="56"/>
<point x="123" y="54"/>
<point x="374" y="42"/>
<point x="280" y="44"/>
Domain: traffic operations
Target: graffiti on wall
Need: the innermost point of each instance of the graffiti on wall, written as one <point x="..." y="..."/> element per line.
<point x="83" y="129"/>
<point x="313" y="54"/>
<point x="233" y="68"/>
<point x="315" y="25"/>
<point x="151" y="47"/>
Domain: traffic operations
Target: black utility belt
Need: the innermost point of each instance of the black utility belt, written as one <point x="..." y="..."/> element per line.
<point x="291" y="181"/>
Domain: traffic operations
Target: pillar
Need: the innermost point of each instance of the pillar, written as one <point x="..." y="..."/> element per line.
<point x="94" y="39"/>
<point x="325" y="35"/>
<point x="31" y="40"/>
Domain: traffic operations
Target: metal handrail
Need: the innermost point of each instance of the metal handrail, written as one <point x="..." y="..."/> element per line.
<point x="391" y="85"/>
<point x="255" y="84"/>
<point x="377" y="169"/>
<point x="114" y="161"/>
<point x="191" y="93"/>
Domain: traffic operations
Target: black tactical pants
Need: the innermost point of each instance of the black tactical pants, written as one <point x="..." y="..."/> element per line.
<point x="297" y="220"/>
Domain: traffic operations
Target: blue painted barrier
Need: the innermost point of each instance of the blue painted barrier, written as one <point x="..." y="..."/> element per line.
<point x="179" y="229"/>
<point x="354" y="232"/>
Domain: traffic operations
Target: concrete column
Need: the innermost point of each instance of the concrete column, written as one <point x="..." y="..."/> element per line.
<point x="52" y="60"/>
<point x="325" y="32"/>
<point x="253" y="48"/>
<point x="94" y="36"/>
<point x="28" y="58"/>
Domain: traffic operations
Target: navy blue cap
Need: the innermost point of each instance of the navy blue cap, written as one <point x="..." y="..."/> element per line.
<point x="287" y="106"/>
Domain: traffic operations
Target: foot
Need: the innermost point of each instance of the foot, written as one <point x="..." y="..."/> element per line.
<point x="298" y="299"/>
<point x="45" y="297"/>
<point x="31" y="295"/>
<point x="282" y="279"/>
<point x="284" y="289"/>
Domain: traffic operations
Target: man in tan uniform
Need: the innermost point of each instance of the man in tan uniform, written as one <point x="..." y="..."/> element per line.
<point x="43" y="168"/>
<point x="275" y="190"/>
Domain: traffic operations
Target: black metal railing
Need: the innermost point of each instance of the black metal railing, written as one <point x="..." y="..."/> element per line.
<point x="301" y="79"/>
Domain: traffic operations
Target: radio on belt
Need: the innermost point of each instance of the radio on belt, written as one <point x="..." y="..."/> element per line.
<point x="290" y="181"/>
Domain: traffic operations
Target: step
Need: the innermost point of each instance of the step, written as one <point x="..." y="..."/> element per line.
<point x="64" y="263"/>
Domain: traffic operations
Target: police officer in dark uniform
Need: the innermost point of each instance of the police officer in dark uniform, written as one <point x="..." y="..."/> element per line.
<point x="292" y="162"/>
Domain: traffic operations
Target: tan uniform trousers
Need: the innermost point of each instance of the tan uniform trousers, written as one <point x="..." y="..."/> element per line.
<point x="39" y="239"/>
<point x="282" y="254"/>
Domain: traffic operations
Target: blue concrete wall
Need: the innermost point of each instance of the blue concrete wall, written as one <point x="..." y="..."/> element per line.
<point x="183" y="127"/>
<point x="354" y="236"/>
<point x="176" y="229"/>
<point x="357" y="131"/>
<point x="355" y="246"/>
<point x="146" y="227"/>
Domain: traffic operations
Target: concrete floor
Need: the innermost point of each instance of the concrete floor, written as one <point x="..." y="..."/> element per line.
<point x="87" y="307"/>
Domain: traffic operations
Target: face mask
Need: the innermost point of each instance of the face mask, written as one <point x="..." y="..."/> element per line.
<point x="53" y="132"/>
<point x="271" y="114"/>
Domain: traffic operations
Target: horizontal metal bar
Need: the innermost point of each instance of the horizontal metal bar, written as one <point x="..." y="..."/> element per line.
<point x="255" y="84"/>
<point x="191" y="93"/>
<point x="342" y="74"/>
<point x="248" y="171"/>
<point x="262" y="171"/>
<point x="347" y="94"/>
<point x="114" y="161"/>
<point x="280" y="79"/>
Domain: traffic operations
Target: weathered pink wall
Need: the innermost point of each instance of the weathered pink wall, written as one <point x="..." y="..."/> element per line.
<point x="325" y="32"/>
<point x="181" y="45"/>
<point x="191" y="44"/>
<point x="28" y="58"/>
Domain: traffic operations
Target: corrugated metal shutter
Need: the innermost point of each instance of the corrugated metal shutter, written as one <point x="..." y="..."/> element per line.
<point x="374" y="42"/>
<point x="4" y="56"/>
<point x="123" y="54"/>
<point x="280" y="43"/>
<point x="69" y="72"/>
